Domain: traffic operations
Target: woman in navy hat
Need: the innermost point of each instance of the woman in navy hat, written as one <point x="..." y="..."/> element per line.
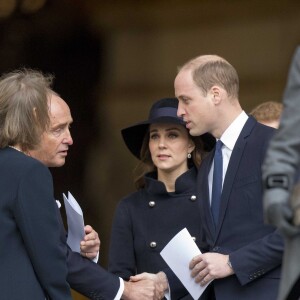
<point x="165" y="201"/>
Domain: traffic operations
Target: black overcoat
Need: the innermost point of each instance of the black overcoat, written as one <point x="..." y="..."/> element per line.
<point x="146" y="220"/>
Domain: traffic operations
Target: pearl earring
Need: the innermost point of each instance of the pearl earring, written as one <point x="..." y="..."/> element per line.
<point x="189" y="155"/>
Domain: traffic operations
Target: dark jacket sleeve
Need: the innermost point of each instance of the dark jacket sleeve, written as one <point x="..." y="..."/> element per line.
<point x="87" y="277"/>
<point x="258" y="258"/>
<point x="90" y="279"/>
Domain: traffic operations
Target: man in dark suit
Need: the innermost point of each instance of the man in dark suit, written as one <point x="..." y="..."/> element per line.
<point x="281" y="178"/>
<point x="242" y="254"/>
<point x="32" y="257"/>
<point x="35" y="134"/>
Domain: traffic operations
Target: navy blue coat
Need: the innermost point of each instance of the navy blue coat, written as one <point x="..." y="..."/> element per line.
<point x="147" y="220"/>
<point x="255" y="249"/>
<point x="32" y="258"/>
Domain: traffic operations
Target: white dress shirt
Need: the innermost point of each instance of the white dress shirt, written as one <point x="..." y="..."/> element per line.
<point x="121" y="290"/>
<point x="228" y="138"/>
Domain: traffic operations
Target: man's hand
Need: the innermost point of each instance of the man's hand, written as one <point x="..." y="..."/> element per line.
<point x="144" y="286"/>
<point x="278" y="211"/>
<point x="158" y="282"/>
<point x="209" y="266"/>
<point x="90" y="246"/>
<point x="281" y="216"/>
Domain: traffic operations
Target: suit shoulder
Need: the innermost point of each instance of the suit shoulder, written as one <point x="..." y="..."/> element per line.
<point x="263" y="131"/>
<point x="20" y="164"/>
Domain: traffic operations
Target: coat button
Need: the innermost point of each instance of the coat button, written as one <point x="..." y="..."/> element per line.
<point x="153" y="244"/>
<point x="193" y="198"/>
<point x="151" y="203"/>
<point x="194" y="238"/>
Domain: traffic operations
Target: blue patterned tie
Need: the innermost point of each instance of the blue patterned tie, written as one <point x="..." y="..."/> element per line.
<point x="217" y="182"/>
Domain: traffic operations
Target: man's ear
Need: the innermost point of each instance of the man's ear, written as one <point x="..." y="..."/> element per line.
<point x="216" y="93"/>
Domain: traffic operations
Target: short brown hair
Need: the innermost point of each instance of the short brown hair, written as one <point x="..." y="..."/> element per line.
<point x="267" y="111"/>
<point x="210" y="70"/>
<point x="24" y="110"/>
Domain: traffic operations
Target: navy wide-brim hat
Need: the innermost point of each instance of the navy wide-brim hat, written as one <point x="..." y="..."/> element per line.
<point x="162" y="111"/>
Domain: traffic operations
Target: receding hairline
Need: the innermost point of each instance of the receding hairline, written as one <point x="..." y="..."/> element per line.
<point x="200" y="60"/>
<point x="56" y="102"/>
<point x="55" y="97"/>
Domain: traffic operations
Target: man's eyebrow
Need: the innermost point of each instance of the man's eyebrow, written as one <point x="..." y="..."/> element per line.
<point x="59" y="125"/>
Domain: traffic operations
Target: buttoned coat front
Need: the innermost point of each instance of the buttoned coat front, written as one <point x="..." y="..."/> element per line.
<point x="147" y="220"/>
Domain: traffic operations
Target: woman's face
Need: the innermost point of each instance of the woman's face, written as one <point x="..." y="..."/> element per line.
<point x="169" y="145"/>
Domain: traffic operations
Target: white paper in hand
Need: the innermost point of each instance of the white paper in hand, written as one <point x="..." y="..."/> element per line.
<point x="75" y="222"/>
<point x="177" y="254"/>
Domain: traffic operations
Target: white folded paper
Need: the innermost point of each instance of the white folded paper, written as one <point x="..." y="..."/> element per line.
<point x="75" y="222"/>
<point x="177" y="254"/>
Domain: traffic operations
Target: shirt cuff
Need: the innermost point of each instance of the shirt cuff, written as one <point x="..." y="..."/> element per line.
<point x="168" y="294"/>
<point x="95" y="260"/>
<point x="121" y="290"/>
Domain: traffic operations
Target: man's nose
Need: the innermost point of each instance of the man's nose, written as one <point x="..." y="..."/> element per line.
<point x="68" y="138"/>
<point x="180" y="110"/>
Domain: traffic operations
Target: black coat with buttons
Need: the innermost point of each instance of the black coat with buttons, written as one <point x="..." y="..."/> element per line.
<point x="147" y="220"/>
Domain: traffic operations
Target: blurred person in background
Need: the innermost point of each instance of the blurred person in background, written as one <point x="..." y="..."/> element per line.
<point x="281" y="182"/>
<point x="268" y="113"/>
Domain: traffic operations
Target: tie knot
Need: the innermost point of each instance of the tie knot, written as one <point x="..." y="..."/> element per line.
<point x="219" y="145"/>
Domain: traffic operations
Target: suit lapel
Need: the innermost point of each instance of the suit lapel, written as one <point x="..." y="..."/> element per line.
<point x="204" y="192"/>
<point x="232" y="170"/>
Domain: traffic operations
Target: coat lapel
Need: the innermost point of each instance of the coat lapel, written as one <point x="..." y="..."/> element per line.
<point x="232" y="170"/>
<point x="204" y="192"/>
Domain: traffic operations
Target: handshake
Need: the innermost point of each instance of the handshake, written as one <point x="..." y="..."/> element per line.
<point x="146" y="286"/>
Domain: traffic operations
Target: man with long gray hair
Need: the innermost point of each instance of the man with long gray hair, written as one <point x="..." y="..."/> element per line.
<point x="35" y="262"/>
